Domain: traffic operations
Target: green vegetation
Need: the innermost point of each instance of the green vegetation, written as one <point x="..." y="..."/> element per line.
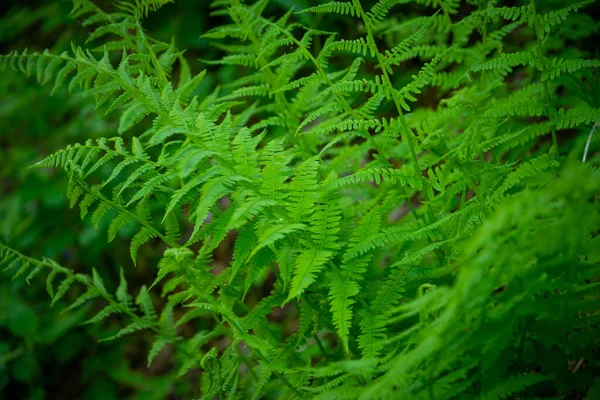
<point x="391" y="199"/>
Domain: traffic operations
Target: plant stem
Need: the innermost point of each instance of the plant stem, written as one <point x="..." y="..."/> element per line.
<point x="587" y="145"/>
<point x="288" y="384"/>
<point x="541" y="68"/>
<point x="159" y="67"/>
<point x="408" y="133"/>
<point x="133" y="216"/>
<point x="321" y="347"/>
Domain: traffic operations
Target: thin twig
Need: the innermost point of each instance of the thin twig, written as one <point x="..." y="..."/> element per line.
<point x="587" y="145"/>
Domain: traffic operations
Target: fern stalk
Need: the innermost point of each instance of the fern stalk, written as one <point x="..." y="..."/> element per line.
<point x="408" y="134"/>
<point x="161" y="72"/>
<point x="280" y="97"/>
<point x="136" y="218"/>
<point x="540" y="52"/>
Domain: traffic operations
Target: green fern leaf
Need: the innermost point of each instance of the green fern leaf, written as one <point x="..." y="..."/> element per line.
<point x="308" y="264"/>
<point x="141" y="238"/>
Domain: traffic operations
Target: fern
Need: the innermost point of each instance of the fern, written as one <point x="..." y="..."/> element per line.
<point x="374" y="215"/>
<point x="337" y="7"/>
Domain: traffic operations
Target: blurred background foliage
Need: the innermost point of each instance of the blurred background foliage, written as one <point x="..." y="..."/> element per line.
<point x="48" y="353"/>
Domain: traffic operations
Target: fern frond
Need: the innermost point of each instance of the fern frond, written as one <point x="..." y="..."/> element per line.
<point x="549" y="20"/>
<point x="357" y="46"/>
<point x="187" y="191"/>
<point x="525" y="170"/>
<point x="308" y="264"/>
<point x="334" y="7"/>
<point x="559" y="66"/>
<point x="274" y="171"/>
<point x="575" y="116"/>
<point x="344" y="283"/>
<point x="398" y="52"/>
<point x="156" y="348"/>
<point x="140" y="8"/>
<point x="423" y="78"/>
<point x="507" y="13"/>
<point x="373" y="86"/>
<point x="507" y="61"/>
<point x="275" y="233"/>
<point x="212" y="191"/>
<point x="379" y="175"/>
<point x="141" y="238"/>
<point x="325" y="221"/>
<point x="249" y="210"/>
<point x="396" y="235"/>
<point x="244" y="153"/>
<point x="302" y="191"/>
<point x="318" y="114"/>
<point x="296" y="84"/>
<point x="129" y="329"/>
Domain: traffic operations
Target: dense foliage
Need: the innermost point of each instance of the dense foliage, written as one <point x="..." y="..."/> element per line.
<point x="392" y="199"/>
